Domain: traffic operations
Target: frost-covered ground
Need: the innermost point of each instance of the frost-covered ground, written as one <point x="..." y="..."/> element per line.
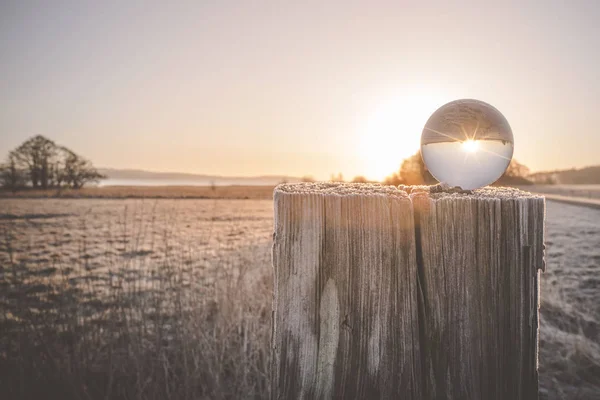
<point x="114" y="248"/>
<point x="570" y="311"/>
<point x="584" y="191"/>
<point x="122" y="299"/>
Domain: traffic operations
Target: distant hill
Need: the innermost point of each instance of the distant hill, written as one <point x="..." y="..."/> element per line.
<point x="135" y="175"/>
<point x="584" y="176"/>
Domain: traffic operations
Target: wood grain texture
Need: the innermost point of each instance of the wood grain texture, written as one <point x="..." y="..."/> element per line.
<point x="384" y="294"/>
<point x="479" y="260"/>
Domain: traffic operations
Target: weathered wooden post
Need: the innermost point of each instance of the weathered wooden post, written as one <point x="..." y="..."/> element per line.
<point x="384" y="292"/>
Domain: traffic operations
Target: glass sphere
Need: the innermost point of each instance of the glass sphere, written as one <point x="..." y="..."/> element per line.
<point x="467" y="143"/>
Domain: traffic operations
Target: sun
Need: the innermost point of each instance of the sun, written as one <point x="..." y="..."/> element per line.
<point x="391" y="132"/>
<point x="470" y="146"/>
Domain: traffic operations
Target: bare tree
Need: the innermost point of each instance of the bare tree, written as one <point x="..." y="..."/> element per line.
<point x="34" y="155"/>
<point x="415" y="172"/>
<point x="412" y="172"/>
<point x="11" y="177"/>
<point x="78" y="171"/>
<point x="515" y="174"/>
<point x="43" y="164"/>
<point x="37" y="155"/>
<point x="516" y="169"/>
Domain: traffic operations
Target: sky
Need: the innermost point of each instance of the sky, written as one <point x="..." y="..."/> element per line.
<point x="294" y="88"/>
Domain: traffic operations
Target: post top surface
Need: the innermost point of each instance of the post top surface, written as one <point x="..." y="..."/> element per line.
<point x="341" y="189"/>
<point x="402" y="191"/>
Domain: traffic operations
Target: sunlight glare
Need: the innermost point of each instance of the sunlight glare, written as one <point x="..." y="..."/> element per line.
<point x="470" y="146"/>
<point x="391" y="132"/>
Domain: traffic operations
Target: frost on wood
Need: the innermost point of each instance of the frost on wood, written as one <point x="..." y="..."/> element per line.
<point x="385" y="292"/>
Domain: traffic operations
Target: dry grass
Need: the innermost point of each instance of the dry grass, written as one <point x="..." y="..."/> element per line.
<point x="139" y="317"/>
<point x="155" y="192"/>
<point x="569" y="351"/>
<point x="570" y="304"/>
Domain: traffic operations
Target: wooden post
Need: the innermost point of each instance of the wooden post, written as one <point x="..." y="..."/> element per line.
<point x="478" y="258"/>
<point x="384" y="292"/>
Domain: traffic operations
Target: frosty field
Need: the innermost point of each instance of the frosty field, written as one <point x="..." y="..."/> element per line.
<point x="171" y="299"/>
<point x="584" y="191"/>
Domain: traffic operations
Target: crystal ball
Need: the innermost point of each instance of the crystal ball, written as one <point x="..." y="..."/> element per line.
<point x="467" y="143"/>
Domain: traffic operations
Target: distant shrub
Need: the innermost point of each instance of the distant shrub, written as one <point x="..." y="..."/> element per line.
<point x="412" y="172"/>
<point x="337" y="178"/>
<point x="360" y="179"/>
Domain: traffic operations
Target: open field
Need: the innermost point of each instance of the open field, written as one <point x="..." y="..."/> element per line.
<point x="570" y="298"/>
<point x="135" y="299"/>
<point x="172" y="299"/>
<point x="584" y="191"/>
<point x="581" y="195"/>
<point x="232" y="192"/>
<point x="148" y="192"/>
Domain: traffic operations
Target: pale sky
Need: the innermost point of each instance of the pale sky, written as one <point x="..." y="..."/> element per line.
<point x="296" y="88"/>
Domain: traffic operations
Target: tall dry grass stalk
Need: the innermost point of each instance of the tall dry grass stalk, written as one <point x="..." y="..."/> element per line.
<point x="569" y="350"/>
<point x="145" y="324"/>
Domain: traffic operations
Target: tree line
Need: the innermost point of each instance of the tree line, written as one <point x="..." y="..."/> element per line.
<point x="413" y="171"/>
<point x="40" y="163"/>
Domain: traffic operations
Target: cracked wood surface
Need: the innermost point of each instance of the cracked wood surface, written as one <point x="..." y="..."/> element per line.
<point x="384" y="292"/>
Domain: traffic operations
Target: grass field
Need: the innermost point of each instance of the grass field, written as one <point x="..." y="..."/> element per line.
<point x="583" y="191"/>
<point x="135" y="299"/>
<point x="148" y="192"/>
<point x="158" y="299"/>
